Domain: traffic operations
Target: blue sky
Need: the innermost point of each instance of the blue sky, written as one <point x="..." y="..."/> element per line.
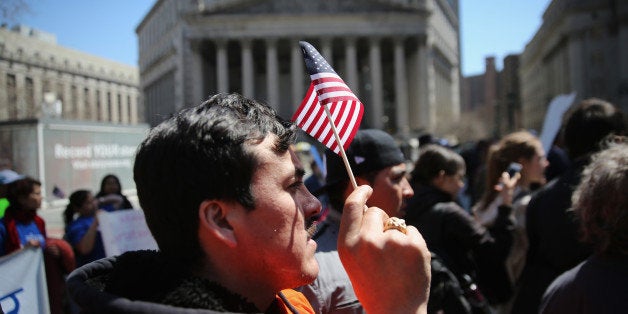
<point x="498" y="28"/>
<point x="107" y="28"/>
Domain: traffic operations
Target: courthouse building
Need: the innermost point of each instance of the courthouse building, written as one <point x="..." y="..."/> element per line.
<point x="400" y="57"/>
<point x="582" y="47"/>
<point x="40" y="78"/>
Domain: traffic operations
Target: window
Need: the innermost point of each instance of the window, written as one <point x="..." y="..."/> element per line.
<point x="12" y="96"/>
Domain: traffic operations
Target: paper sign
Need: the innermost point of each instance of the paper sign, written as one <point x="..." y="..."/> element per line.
<point x="23" y="282"/>
<point x="553" y="118"/>
<point x="125" y="230"/>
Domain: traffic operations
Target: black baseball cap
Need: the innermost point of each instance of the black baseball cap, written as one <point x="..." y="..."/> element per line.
<point x="371" y="150"/>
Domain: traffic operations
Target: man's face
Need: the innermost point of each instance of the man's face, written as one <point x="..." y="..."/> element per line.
<point x="274" y="235"/>
<point x="390" y="189"/>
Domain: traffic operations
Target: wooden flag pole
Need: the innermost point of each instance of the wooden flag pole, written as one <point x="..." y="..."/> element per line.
<point x="342" y="150"/>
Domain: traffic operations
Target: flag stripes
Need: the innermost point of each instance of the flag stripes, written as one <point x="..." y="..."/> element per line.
<point x="311" y="117"/>
<point x="327" y="90"/>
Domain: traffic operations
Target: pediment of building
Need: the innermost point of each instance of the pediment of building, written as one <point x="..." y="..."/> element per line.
<point x="310" y="6"/>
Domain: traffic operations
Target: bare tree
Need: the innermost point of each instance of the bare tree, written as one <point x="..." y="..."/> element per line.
<point x="11" y="10"/>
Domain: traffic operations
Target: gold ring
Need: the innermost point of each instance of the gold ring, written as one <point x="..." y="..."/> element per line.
<point x="395" y="223"/>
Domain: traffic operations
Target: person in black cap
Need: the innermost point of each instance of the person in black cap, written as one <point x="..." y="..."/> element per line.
<point x="377" y="161"/>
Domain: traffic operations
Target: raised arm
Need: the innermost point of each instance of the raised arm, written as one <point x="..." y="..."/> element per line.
<point x="389" y="270"/>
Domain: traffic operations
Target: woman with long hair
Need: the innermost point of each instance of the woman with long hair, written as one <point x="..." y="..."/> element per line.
<point x="110" y="196"/>
<point x="470" y="250"/>
<point x="524" y="148"/>
<point x="81" y="227"/>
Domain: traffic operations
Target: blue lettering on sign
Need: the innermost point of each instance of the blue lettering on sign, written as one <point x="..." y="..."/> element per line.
<point x="13" y="297"/>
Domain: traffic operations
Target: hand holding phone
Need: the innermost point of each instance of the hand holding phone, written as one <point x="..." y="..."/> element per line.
<point x="513" y="168"/>
<point x="507" y="185"/>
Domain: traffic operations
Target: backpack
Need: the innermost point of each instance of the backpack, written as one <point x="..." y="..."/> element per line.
<point x="473" y="297"/>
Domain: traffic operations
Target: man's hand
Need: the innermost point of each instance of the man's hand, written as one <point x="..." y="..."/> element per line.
<point x="390" y="271"/>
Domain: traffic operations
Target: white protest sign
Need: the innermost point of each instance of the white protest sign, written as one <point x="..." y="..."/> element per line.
<point x="553" y="118"/>
<point x="125" y="230"/>
<point x="23" y="282"/>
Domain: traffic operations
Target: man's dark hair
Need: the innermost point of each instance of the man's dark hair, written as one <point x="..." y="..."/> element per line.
<point x="591" y="121"/>
<point x="202" y="153"/>
<point x="432" y="159"/>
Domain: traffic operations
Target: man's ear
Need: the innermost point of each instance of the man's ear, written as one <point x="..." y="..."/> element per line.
<point x="213" y="221"/>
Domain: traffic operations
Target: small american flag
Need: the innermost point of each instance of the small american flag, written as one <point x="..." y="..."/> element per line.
<point x="327" y="89"/>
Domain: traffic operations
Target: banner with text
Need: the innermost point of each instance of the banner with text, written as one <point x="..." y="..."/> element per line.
<point x="125" y="230"/>
<point x="23" y="282"/>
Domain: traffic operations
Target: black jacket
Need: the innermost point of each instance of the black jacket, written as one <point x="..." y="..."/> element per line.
<point x="144" y="282"/>
<point x="553" y="236"/>
<point x="466" y="247"/>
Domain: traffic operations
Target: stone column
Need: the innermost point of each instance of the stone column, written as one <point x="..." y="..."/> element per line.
<point x="116" y="99"/>
<point x="376" y="104"/>
<point x="195" y="74"/>
<point x="37" y="90"/>
<point x="133" y="107"/>
<point x="272" y="73"/>
<point x="401" y="88"/>
<point x="455" y="94"/>
<point x="222" y="65"/>
<point x="81" y="102"/>
<point x="126" y="104"/>
<point x="4" y="96"/>
<point x="296" y="71"/>
<point x="104" y="104"/>
<point x="426" y="87"/>
<point x="92" y="86"/>
<point x="352" y="64"/>
<point x="68" y="102"/>
<point x="576" y="65"/>
<point x="248" y="73"/>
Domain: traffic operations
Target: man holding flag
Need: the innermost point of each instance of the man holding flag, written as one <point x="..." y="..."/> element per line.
<point x="331" y="113"/>
<point x="224" y="198"/>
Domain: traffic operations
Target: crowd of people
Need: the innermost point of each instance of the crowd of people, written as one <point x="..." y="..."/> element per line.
<point x="501" y="252"/>
<point x="226" y="199"/>
<point x="21" y="226"/>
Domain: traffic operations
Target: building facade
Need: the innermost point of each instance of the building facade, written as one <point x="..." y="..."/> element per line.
<point x="582" y="47"/>
<point x="400" y="57"/>
<point x="509" y="117"/>
<point x="493" y="99"/>
<point x="39" y="78"/>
